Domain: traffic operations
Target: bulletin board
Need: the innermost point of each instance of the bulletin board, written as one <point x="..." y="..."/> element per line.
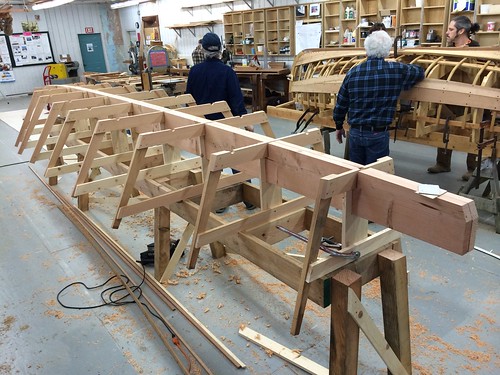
<point x="6" y="72"/>
<point x="31" y="48"/>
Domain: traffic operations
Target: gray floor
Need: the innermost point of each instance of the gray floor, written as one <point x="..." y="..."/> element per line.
<point x="454" y="301"/>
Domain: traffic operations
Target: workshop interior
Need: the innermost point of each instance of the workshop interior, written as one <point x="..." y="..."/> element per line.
<point x="147" y="230"/>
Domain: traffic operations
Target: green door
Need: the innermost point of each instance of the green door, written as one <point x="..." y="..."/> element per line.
<point x="92" y="53"/>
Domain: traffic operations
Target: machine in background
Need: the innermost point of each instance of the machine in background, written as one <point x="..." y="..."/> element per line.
<point x="64" y="72"/>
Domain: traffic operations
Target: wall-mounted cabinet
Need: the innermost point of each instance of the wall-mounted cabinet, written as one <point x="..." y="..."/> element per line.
<point x="151" y="29"/>
<point x="309" y="13"/>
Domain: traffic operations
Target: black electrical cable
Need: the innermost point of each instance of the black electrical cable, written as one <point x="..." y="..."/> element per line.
<point x="108" y="296"/>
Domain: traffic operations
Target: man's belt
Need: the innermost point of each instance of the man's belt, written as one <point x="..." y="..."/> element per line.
<point x="372" y="128"/>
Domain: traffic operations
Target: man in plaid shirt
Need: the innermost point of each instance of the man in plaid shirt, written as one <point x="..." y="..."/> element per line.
<point x="197" y="55"/>
<point x="369" y="95"/>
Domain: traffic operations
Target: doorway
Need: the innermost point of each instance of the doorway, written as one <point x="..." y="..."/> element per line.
<point x="92" y="53"/>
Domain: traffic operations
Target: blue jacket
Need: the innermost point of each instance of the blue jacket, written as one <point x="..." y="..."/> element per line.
<point x="212" y="81"/>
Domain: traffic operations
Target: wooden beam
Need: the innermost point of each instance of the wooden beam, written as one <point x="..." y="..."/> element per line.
<point x="292" y="356"/>
<point x="449" y="221"/>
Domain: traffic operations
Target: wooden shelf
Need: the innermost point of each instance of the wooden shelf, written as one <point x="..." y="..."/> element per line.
<point x="192" y="25"/>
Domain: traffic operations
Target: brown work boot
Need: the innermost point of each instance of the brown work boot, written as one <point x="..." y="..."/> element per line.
<point x="443" y="161"/>
<point x="467" y="175"/>
<point x="438" y="168"/>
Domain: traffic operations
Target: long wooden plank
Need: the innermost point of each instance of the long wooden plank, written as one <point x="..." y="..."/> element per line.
<point x="173" y="196"/>
<point x="292" y="356"/>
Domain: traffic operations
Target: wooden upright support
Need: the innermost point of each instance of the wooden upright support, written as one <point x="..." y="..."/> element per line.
<point x="394" y="288"/>
<point x="349" y="315"/>
<point x="344" y="336"/>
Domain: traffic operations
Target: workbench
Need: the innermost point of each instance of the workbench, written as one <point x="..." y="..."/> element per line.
<point x="172" y="84"/>
<point x="257" y="80"/>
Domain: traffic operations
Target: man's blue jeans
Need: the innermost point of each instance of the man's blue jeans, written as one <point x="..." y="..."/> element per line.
<point x="366" y="146"/>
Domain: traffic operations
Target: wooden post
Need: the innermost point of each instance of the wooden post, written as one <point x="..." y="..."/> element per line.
<point x="83" y="200"/>
<point x="394" y="288"/>
<point x="162" y="240"/>
<point x="344" y="336"/>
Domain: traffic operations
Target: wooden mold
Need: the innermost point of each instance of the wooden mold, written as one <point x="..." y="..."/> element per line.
<point x="454" y="77"/>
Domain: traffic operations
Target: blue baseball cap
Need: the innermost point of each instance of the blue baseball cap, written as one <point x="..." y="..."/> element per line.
<point x="211" y="42"/>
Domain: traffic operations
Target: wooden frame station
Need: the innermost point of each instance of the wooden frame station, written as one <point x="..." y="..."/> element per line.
<point x="163" y="156"/>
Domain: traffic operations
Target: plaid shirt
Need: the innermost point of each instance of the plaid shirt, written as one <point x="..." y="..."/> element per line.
<point x="370" y="91"/>
<point x="198" y="55"/>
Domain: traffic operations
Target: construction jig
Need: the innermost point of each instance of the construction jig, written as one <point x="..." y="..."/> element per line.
<point x="162" y="155"/>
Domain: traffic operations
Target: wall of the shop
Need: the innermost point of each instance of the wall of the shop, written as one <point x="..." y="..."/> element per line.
<point x="64" y="23"/>
<point x="117" y="29"/>
<point x="170" y="13"/>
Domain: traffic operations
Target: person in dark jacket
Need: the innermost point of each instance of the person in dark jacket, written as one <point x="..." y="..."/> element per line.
<point x="212" y="81"/>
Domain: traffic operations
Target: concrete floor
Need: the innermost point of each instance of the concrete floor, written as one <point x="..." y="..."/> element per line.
<point x="454" y="301"/>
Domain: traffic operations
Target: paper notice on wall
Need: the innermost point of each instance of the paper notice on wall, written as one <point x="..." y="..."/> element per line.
<point x="6" y="72"/>
<point x="307" y="35"/>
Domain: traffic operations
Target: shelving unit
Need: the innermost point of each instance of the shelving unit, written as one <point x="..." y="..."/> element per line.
<point x="151" y="30"/>
<point x="348" y="22"/>
<point x="435" y="16"/>
<point x="207" y="4"/>
<point x="280" y="31"/>
<point x="274" y="27"/>
<point x="376" y="11"/>
<point x="191" y="27"/>
<point x="485" y="14"/>
<point x="331" y="24"/>
<point x="410" y="20"/>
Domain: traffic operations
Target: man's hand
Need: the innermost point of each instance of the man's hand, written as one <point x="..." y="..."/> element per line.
<point x="339" y="134"/>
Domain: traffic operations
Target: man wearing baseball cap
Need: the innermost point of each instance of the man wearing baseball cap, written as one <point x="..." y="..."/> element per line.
<point x="212" y="80"/>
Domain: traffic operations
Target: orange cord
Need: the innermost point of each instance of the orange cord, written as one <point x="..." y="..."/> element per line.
<point x="177" y="343"/>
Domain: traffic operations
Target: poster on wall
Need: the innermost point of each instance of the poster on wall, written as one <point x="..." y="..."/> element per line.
<point x="31" y="48"/>
<point x="307" y="35"/>
<point x="6" y="71"/>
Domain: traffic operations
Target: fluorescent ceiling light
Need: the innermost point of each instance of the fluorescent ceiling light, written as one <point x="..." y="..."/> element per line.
<point x="50" y="4"/>
<point x="125" y="4"/>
